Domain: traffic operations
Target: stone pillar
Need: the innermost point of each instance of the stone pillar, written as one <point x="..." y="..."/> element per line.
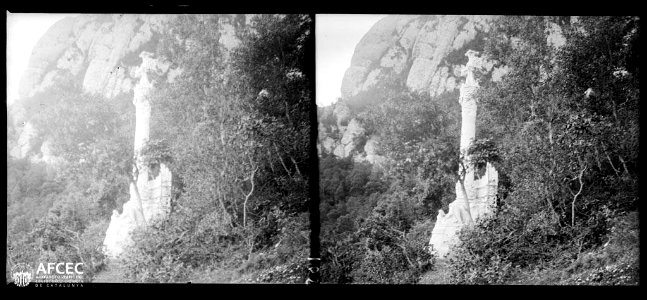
<point x="481" y="192"/>
<point x="150" y="191"/>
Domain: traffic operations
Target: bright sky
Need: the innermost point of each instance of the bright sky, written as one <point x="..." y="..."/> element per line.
<point x="23" y="32"/>
<point x="336" y="37"/>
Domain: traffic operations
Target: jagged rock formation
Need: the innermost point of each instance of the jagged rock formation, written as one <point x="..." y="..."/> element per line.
<point x="344" y="136"/>
<point x="426" y="51"/>
<point x="475" y="195"/>
<point x="97" y="50"/>
<point x="99" y="53"/>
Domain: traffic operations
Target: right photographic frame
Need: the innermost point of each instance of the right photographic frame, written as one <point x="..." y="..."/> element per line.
<point x="478" y="149"/>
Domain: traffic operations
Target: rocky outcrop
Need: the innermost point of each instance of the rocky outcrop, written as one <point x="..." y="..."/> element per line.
<point x="99" y="53"/>
<point x="425" y="51"/>
<point x="343" y="135"/>
<point x="97" y="50"/>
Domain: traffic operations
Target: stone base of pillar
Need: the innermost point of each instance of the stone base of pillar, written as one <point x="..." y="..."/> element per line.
<point x="482" y="193"/>
<point x="156" y="202"/>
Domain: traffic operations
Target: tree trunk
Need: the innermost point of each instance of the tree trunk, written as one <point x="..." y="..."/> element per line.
<point x="222" y="206"/>
<point x="624" y="165"/>
<point x="550" y="203"/>
<point x="461" y="179"/>
<point x="281" y="160"/>
<point x="251" y="190"/>
<point x="296" y="166"/>
<point x="575" y="197"/>
<point x="611" y="163"/>
<point x="133" y="184"/>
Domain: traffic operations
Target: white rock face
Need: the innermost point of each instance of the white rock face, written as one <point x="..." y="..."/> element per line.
<point x="481" y="192"/>
<point x="371" y="151"/>
<point x="415" y="47"/>
<point x="150" y="195"/>
<point x="342" y="113"/>
<point x="344" y="136"/>
<point x="353" y="131"/>
<point x="93" y="46"/>
<point x="482" y="201"/>
<point x="99" y="53"/>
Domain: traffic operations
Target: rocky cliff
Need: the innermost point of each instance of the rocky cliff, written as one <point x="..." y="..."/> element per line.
<point x="99" y="53"/>
<point x="427" y="52"/>
<point x="424" y="53"/>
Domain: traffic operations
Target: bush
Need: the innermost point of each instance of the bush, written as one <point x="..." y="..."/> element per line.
<point x="91" y="248"/>
<point x="476" y="269"/>
<point x="162" y="269"/>
<point x="386" y="266"/>
<point x="293" y="271"/>
<point x="153" y="259"/>
<point x="496" y="247"/>
<point x="615" y="263"/>
<point x="390" y="255"/>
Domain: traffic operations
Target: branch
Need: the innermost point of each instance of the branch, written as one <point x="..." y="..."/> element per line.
<point x="251" y="190"/>
<point x="611" y="163"/>
<point x="404" y="249"/>
<point x="222" y="205"/>
<point x="461" y="179"/>
<point x="296" y="166"/>
<point x="133" y="184"/>
<point x="281" y="159"/>
<point x="577" y="195"/>
<point x="78" y="249"/>
<point x="624" y="165"/>
<point x="270" y="160"/>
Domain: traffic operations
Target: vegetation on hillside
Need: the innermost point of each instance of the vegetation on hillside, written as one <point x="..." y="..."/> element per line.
<point x="562" y="130"/>
<point x="234" y="128"/>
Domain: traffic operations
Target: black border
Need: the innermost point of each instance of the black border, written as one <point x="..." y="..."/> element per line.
<point x="337" y="7"/>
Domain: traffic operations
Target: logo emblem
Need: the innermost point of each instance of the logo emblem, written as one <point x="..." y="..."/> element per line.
<point x="21" y="274"/>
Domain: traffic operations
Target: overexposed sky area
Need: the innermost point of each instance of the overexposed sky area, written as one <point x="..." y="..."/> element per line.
<point x="23" y="32"/>
<point x="336" y="37"/>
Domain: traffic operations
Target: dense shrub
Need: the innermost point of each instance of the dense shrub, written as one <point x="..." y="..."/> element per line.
<point x="493" y="249"/>
<point x="153" y="257"/>
<point x="616" y="262"/>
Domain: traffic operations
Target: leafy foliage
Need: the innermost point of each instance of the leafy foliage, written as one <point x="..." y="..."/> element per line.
<point x="376" y="221"/>
<point x="239" y="159"/>
<point x="239" y="144"/>
<point x="58" y="205"/>
<point x="561" y="129"/>
<point x="569" y="156"/>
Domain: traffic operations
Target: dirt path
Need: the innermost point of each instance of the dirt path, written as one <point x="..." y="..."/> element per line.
<point x="440" y="274"/>
<point x="114" y="273"/>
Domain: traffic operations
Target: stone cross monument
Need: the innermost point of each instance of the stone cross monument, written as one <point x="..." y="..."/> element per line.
<point x="475" y="197"/>
<point x="150" y="186"/>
